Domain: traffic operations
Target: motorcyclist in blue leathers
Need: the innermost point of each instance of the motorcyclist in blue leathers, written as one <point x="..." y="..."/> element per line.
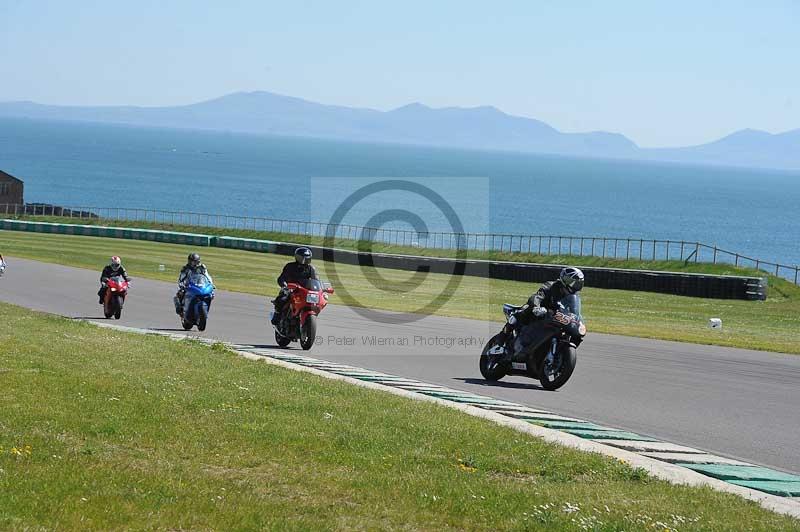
<point x="193" y="266"/>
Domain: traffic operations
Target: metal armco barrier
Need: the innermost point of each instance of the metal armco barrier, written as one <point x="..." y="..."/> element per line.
<point x="107" y="232"/>
<point x="684" y="284"/>
<point x="248" y="244"/>
<point x="642" y="249"/>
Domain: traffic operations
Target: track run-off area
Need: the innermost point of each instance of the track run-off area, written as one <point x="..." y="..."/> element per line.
<point x="737" y="403"/>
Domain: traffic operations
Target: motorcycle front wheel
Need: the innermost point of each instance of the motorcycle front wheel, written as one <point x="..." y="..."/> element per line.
<point x="202" y="316"/>
<point x="493" y="373"/>
<point x="116" y="305"/>
<point x="554" y="376"/>
<point x="308" y="333"/>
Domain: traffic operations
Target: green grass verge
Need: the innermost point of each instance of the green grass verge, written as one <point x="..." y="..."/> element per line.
<point x="377" y="247"/>
<point x="766" y="325"/>
<point x="105" y="430"/>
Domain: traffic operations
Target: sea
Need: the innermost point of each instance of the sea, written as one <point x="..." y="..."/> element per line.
<point x="754" y="212"/>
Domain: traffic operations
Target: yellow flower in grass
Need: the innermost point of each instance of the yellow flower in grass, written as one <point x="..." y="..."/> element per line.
<point x="466" y="465"/>
<point x="23" y="451"/>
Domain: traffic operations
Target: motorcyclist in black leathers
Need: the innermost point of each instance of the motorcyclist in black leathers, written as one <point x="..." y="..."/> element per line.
<point x="570" y="281"/>
<point x="193" y="265"/>
<point x="113" y="269"/>
<point x="293" y="272"/>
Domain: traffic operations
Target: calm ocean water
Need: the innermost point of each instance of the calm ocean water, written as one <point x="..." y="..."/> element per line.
<point x="755" y="212"/>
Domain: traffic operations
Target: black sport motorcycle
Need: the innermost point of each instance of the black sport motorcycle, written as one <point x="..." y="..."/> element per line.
<point x="543" y="349"/>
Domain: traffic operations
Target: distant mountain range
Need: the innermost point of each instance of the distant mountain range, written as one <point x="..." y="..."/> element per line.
<point x="485" y="128"/>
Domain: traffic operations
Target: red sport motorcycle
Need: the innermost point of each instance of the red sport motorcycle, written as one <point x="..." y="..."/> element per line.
<point x="116" y="290"/>
<point x="298" y="320"/>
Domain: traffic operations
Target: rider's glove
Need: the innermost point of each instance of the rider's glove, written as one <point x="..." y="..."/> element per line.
<point x="539" y="312"/>
<point x="512" y="318"/>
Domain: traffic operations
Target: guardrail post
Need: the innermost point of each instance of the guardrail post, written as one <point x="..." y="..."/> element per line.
<point x="795" y="274"/>
<point x="714" y="261"/>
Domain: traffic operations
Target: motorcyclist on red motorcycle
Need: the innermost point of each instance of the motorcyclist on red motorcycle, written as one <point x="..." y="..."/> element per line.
<point x="293" y="272"/>
<point x="113" y="269"/>
<point x="570" y="281"/>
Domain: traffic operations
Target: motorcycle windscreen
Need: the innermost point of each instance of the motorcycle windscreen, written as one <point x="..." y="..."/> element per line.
<point x="571" y="304"/>
<point x="198" y="279"/>
<point x="200" y="282"/>
<point x="312" y="284"/>
<point x="117" y="279"/>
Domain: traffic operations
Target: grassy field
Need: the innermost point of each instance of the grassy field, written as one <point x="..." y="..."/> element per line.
<point x="767" y="325"/>
<point x="105" y="430"/>
<point x="377" y="247"/>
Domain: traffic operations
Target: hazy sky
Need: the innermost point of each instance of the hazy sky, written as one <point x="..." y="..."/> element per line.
<point x="664" y="74"/>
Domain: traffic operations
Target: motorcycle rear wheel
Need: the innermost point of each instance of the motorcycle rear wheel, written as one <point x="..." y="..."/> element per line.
<point x="308" y="333"/>
<point x="495" y="373"/>
<point x="281" y="340"/>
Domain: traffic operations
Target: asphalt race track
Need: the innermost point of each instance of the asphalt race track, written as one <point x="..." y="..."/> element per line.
<point x="734" y="402"/>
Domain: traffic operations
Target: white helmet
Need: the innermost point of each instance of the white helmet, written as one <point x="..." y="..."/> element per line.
<point x="116" y="262"/>
<point x="572" y="279"/>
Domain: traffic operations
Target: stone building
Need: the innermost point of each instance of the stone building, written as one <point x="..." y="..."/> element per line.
<point x="11" y="189"/>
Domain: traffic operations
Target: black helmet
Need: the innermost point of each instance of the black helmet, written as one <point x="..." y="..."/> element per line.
<point x="193" y="260"/>
<point x="572" y="279"/>
<point x="302" y="256"/>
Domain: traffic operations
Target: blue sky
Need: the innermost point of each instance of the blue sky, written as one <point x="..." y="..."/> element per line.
<point x="664" y="74"/>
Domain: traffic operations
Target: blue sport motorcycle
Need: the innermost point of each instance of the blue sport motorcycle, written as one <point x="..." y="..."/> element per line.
<point x="197" y="302"/>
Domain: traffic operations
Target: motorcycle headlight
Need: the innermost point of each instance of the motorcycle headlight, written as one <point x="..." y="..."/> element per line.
<point x="113" y="289"/>
<point x="312" y="298"/>
<point x="582" y="329"/>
